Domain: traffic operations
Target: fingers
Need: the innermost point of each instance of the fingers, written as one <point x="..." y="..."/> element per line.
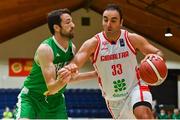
<point x="67" y="72"/>
<point x="146" y="57"/>
<point x="72" y="67"/>
<point x="62" y="70"/>
<point x="63" y="73"/>
<point x="65" y="79"/>
<point x="151" y="56"/>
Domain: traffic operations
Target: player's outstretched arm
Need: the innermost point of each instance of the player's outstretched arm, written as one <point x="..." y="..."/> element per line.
<point x="85" y="52"/>
<point x="62" y="73"/>
<point x="84" y="76"/>
<point x="45" y="59"/>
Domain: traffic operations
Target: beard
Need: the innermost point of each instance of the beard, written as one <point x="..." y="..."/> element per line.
<point x="69" y="35"/>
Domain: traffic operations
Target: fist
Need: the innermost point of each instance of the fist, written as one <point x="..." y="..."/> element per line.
<point x="72" y="68"/>
<point x="63" y="73"/>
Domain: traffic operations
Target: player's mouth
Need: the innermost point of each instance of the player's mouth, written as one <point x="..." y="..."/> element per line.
<point x="72" y="31"/>
<point x="109" y="29"/>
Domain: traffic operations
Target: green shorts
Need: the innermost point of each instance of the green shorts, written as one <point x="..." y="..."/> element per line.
<point x="34" y="106"/>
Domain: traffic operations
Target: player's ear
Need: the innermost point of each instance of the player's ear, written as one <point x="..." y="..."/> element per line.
<point x="56" y="28"/>
<point x="121" y="22"/>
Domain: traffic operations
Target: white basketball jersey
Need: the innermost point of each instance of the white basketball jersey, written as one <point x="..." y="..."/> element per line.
<point x="116" y="66"/>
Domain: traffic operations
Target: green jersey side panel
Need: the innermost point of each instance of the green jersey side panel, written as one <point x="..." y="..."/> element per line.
<point x="35" y="81"/>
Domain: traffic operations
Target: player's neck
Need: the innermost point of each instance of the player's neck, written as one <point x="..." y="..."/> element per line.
<point x="113" y="36"/>
<point x="63" y="41"/>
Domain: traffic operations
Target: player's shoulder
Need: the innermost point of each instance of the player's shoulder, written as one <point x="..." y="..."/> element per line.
<point x="136" y="40"/>
<point x="46" y="43"/>
<point x="90" y="44"/>
<point x="48" y="40"/>
<point x="44" y="52"/>
<point x="92" y="41"/>
<point x="44" y="49"/>
<point x="134" y="36"/>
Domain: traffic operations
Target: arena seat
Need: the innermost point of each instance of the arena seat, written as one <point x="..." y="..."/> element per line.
<point x="86" y="103"/>
<point x="81" y="103"/>
<point x="1" y="113"/>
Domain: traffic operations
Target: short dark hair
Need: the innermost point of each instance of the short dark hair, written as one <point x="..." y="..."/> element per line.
<point x="54" y="17"/>
<point x="116" y="7"/>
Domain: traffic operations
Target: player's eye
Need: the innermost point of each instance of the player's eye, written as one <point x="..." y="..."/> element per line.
<point x="67" y="22"/>
<point x="105" y="20"/>
<point x="113" y="21"/>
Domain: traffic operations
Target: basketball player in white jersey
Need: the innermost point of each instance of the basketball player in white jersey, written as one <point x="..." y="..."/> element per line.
<point x="113" y="54"/>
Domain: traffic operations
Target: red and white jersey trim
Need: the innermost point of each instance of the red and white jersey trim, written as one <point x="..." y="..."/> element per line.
<point x="97" y="49"/>
<point x="129" y="43"/>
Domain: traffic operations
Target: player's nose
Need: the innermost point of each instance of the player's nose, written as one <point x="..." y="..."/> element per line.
<point x="72" y="25"/>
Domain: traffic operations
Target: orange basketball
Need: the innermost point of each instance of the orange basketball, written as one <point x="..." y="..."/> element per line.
<point x="153" y="71"/>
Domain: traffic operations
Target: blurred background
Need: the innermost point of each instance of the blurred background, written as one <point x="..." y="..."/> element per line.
<point x="23" y="27"/>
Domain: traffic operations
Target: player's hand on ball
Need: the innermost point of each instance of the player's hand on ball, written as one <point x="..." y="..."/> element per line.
<point x="150" y="57"/>
<point x="153" y="70"/>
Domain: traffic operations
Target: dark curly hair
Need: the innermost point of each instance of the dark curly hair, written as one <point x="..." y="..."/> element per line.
<point x="54" y="17"/>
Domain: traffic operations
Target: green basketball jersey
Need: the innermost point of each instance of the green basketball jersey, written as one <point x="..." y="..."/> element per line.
<point x="35" y="82"/>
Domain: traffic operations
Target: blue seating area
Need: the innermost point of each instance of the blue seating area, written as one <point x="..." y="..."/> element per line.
<point x="87" y="103"/>
<point x="81" y="103"/>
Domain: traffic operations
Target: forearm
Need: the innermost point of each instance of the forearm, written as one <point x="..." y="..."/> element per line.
<point x="45" y="58"/>
<point x="84" y="76"/>
<point x="56" y="85"/>
<point x="79" y="60"/>
<point x="85" y="52"/>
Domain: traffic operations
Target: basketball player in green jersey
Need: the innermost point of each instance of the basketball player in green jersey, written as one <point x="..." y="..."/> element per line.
<point x="52" y="54"/>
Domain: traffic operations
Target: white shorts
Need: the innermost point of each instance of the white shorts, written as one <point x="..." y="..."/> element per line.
<point x="123" y="109"/>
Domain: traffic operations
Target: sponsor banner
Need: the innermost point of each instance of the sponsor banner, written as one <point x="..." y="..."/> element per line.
<point x="20" y="66"/>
